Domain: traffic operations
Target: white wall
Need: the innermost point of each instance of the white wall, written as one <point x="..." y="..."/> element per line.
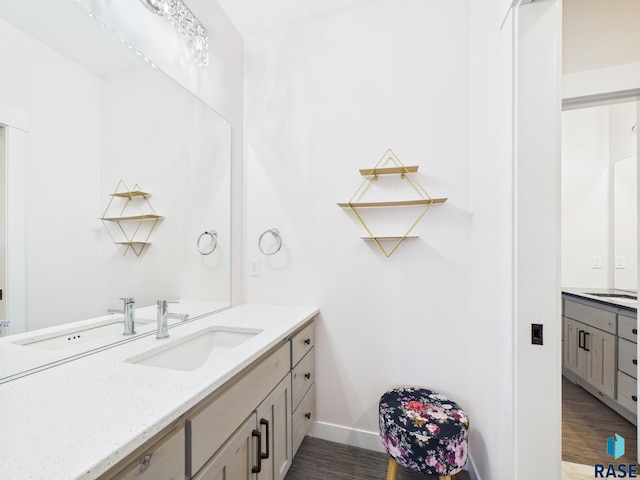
<point x="585" y="197"/>
<point x="320" y="103"/>
<point x="62" y="101"/>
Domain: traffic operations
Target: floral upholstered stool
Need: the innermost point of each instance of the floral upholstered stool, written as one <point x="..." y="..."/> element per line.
<point x="423" y="431"/>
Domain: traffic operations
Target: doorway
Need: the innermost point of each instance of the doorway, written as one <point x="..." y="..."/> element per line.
<point x="599" y="254"/>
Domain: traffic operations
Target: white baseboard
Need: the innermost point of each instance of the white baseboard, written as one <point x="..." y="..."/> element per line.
<point x="346" y="436"/>
<point x="471" y="468"/>
<point x="362" y="439"/>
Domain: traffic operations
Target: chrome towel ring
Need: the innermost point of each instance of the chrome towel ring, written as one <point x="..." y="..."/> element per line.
<point x="275" y="233"/>
<point x="214" y="239"/>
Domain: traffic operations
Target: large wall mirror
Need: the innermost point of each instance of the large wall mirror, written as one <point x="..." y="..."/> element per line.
<point x="599" y="196"/>
<point x="98" y="113"/>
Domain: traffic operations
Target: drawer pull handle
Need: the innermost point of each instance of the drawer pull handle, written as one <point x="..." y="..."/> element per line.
<point x="581" y="339"/>
<point x="307" y="415"/>
<point x="635" y="361"/>
<point x="634" y="398"/>
<point x="265" y="455"/>
<point x="634" y="331"/>
<point x="145" y="462"/>
<point x="308" y="375"/>
<point x="307" y="341"/>
<point x="257" y="468"/>
<point x="585" y="341"/>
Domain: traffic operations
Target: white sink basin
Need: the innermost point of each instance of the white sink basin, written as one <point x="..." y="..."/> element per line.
<point x="193" y="351"/>
<point x="111" y="329"/>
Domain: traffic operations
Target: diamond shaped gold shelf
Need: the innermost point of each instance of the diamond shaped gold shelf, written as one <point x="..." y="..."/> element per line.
<point x="135" y="208"/>
<point x="390" y="164"/>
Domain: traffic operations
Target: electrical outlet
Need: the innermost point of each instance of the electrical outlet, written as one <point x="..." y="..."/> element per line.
<point x="254" y="267"/>
<point x="621" y="262"/>
<point x="596" y="261"/>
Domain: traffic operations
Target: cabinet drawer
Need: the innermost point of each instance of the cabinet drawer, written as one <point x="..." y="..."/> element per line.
<point x="163" y="461"/>
<point x="593" y="316"/>
<point x="304" y="415"/>
<point x="302" y="343"/>
<point x="628" y="328"/>
<point x="214" y="423"/>
<point x="304" y="374"/>
<point x="627" y="358"/>
<point x="627" y="392"/>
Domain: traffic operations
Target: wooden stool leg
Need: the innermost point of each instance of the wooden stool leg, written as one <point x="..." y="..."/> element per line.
<point x="392" y="469"/>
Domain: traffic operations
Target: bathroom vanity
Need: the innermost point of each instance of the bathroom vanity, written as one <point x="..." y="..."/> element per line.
<point x="600" y="345"/>
<point x="233" y="392"/>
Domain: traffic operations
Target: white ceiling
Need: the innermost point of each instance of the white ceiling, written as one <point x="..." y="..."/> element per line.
<point x="251" y="16"/>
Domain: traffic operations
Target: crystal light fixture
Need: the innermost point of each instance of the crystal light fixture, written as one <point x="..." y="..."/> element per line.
<point x="186" y="23"/>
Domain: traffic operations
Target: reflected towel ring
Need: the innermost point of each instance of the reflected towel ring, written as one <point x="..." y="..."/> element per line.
<point x="276" y="235"/>
<point x="214" y="238"/>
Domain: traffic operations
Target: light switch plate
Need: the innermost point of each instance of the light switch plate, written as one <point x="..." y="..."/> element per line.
<point x="254" y="267"/>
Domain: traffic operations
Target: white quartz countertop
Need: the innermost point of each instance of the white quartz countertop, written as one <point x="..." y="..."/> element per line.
<point x="615" y="297"/>
<point x="78" y="419"/>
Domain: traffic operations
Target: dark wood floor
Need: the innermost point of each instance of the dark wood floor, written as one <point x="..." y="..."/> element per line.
<point x="322" y="460"/>
<point x="586" y="425"/>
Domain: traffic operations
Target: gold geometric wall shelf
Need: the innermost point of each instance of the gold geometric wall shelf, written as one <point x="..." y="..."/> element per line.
<point x="131" y="211"/>
<point x="390" y="164"/>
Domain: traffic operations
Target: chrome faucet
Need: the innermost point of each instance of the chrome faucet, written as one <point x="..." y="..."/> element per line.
<point x="162" y="316"/>
<point x="129" y="312"/>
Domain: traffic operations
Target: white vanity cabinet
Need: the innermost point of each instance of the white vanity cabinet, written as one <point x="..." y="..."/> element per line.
<point x="261" y="447"/>
<point x="212" y="425"/>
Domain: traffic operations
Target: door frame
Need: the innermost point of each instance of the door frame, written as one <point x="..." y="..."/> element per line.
<point x="16" y="123"/>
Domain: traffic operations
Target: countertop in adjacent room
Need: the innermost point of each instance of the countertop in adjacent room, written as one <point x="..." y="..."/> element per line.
<point x="607" y="296"/>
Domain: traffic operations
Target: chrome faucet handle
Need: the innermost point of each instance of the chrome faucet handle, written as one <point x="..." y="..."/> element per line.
<point x="161" y="317"/>
<point x="129" y="315"/>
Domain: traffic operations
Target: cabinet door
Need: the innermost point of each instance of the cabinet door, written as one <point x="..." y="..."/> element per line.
<point x="601" y="360"/>
<point x="237" y="459"/>
<point x="274" y="422"/>
<point x="574" y="354"/>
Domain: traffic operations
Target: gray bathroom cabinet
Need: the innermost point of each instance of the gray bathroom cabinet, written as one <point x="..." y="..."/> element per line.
<point x="599" y="351"/>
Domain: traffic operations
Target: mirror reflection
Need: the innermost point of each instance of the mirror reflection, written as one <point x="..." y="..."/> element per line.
<point x="99" y="114"/>
<point x="599" y="197"/>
